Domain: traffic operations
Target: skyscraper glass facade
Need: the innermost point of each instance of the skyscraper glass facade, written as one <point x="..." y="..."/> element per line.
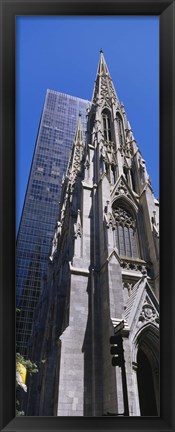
<point x="40" y="211"/>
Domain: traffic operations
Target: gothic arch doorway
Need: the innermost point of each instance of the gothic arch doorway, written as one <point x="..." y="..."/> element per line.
<point x="147" y="360"/>
<point x="146" y="389"/>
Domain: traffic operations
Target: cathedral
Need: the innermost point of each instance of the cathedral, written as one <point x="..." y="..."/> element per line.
<point x="96" y="330"/>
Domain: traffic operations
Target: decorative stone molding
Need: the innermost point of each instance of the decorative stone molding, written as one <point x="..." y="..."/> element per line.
<point x="78" y="227"/>
<point x="133" y="265"/>
<point x="110" y="221"/>
<point x="86" y="185"/>
<point x="128" y="286"/>
<point x="78" y="270"/>
<point x="121" y="190"/>
<point x="108" y="152"/>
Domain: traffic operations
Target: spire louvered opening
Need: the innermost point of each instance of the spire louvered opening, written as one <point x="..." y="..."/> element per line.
<point x="106" y="119"/>
<point x="120" y="130"/>
<point x="91" y="128"/>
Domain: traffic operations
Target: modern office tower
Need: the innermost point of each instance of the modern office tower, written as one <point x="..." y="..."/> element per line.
<point x="96" y="334"/>
<point x="40" y="210"/>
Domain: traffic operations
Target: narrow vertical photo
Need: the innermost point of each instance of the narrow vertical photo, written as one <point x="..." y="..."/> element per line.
<point x="87" y="216"/>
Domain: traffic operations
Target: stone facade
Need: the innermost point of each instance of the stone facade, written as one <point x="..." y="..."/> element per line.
<point x="103" y="271"/>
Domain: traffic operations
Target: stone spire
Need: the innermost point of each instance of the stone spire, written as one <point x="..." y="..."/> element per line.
<point x="103" y="89"/>
<point x="74" y="167"/>
<point x="77" y="152"/>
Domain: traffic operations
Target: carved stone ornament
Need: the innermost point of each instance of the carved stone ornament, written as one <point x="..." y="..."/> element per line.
<point x="121" y="189"/>
<point x="87" y="163"/>
<point x="78" y="227"/>
<point x="128" y="286"/>
<point x="136" y="267"/>
<point x="148" y="313"/>
<point x="110" y="221"/>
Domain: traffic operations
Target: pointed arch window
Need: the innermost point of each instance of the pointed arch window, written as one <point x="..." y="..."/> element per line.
<point x="126" y="233"/>
<point x="106" y="126"/>
<point x="120" y="130"/>
<point x="133" y="178"/>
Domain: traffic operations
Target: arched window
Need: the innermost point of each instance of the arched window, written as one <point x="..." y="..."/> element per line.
<point x="106" y="126"/>
<point x="126" y="233"/>
<point x="120" y="130"/>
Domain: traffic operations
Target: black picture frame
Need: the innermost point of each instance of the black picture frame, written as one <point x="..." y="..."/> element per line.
<point x="165" y="9"/>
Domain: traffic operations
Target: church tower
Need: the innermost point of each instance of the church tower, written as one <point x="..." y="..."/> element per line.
<point x="103" y="276"/>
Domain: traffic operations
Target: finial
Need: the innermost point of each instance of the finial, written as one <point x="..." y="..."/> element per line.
<point x="101" y="51"/>
<point x="79" y="114"/>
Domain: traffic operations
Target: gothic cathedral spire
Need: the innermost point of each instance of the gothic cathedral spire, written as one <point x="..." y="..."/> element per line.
<point x="109" y="130"/>
<point x="104" y="91"/>
<point x="104" y="273"/>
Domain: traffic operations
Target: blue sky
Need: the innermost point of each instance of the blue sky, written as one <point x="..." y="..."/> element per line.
<point x="62" y="54"/>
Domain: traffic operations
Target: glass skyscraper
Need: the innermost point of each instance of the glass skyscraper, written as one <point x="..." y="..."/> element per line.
<point x="40" y="211"/>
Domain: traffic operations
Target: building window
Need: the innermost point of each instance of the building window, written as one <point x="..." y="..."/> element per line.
<point x="120" y="131"/>
<point x="126" y="233"/>
<point x="106" y="127"/>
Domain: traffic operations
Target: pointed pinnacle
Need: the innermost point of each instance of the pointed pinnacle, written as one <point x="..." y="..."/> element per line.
<point x="102" y="71"/>
<point x="78" y="133"/>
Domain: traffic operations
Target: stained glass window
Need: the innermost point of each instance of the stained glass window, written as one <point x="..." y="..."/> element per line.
<point x="126" y="233"/>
